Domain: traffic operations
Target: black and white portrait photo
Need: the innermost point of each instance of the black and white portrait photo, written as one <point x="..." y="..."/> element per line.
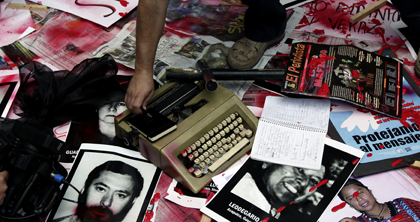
<point x="264" y="190"/>
<point x="113" y="186"/>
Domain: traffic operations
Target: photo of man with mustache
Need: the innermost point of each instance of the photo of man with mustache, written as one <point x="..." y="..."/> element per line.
<point x="109" y="192"/>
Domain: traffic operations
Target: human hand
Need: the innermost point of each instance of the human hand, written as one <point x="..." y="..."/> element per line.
<point x="139" y="91"/>
<point x="4" y="175"/>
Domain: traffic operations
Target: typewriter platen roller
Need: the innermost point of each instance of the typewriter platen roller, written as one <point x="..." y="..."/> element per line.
<point x="206" y="142"/>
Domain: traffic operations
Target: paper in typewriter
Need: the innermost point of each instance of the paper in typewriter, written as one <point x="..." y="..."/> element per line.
<point x="292" y="131"/>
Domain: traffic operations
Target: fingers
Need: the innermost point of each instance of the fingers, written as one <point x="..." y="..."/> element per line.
<point x="138" y="96"/>
<point x="4" y="176"/>
<point x="134" y="103"/>
<point x="147" y="99"/>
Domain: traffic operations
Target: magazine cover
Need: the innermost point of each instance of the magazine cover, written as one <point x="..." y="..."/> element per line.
<point x="389" y="143"/>
<point x="113" y="183"/>
<point x="347" y="73"/>
<point x="262" y="191"/>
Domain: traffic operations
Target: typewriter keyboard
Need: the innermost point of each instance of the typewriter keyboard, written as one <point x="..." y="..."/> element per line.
<point x="217" y="146"/>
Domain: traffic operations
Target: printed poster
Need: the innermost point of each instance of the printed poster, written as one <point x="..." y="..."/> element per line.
<point x="262" y="191"/>
<point x="385" y="187"/>
<point x="331" y="17"/>
<point x="104" y="13"/>
<point x="102" y="172"/>
<point x="389" y="142"/>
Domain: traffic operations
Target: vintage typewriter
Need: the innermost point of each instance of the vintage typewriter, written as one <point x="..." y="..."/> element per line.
<point x="214" y="129"/>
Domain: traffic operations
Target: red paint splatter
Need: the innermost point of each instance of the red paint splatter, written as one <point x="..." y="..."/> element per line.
<point x="265" y="220"/>
<point x="355" y="73"/>
<point x="396" y="162"/>
<point x="178" y="191"/>
<point x="122" y="14"/>
<point x="397" y="217"/>
<point x="381" y="146"/>
<point x="355" y="161"/>
<point x="369" y="155"/>
<point x="155" y="198"/>
<point x="291" y="203"/>
<point x="363" y="110"/>
<point x="319" y="31"/>
<point x="322" y="39"/>
<point x="324" y="91"/>
<point x="318" y="185"/>
<point x="149" y="213"/>
<point x="406" y="62"/>
<point x="280" y="209"/>
<point x="148" y="216"/>
<point x="356" y="194"/>
<point x="376" y="21"/>
<point x="338" y="207"/>
<point x="349" y="42"/>
<point x="124" y="3"/>
<point x="381" y="32"/>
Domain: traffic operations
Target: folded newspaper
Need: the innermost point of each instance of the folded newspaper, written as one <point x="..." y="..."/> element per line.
<point x="348" y="73"/>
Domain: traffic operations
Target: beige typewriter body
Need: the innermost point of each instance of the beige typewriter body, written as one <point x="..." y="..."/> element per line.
<point x="166" y="152"/>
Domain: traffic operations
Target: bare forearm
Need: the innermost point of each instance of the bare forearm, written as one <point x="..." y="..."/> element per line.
<point x="150" y="22"/>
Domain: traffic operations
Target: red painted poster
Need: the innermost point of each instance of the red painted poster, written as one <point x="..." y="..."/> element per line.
<point x="331" y="17"/>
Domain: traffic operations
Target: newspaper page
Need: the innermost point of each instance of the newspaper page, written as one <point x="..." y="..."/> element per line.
<point x="67" y="40"/>
<point x="99" y="170"/>
<point x="347" y="73"/>
<point x="262" y="191"/>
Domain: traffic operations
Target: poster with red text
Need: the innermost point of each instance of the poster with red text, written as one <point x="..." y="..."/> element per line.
<point x="331" y="17"/>
<point x="104" y="13"/>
